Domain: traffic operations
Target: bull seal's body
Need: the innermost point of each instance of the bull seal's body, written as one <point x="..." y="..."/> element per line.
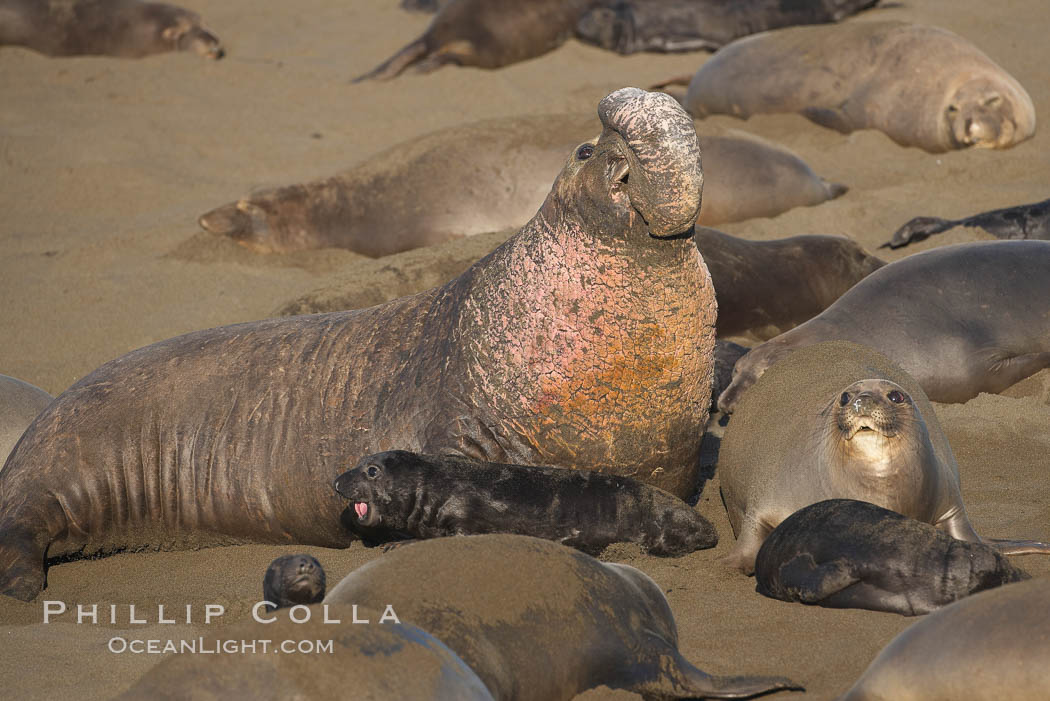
<point x="20" y="403"/>
<point x="922" y="86"/>
<point x="489" y="176"/>
<point x="838" y="420"/>
<point x="398" y="494"/>
<point x="583" y="341"/>
<point x="538" y="621"/>
<point x="292" y="580"/>
<point x="987" y="647"/>
<point x="123" y="28"/>
<point x="844" y="553"/>
<point x="1026" y="221"/>
<point x="960" y="319"/>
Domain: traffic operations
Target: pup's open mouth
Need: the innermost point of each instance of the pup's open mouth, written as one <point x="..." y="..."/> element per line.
<point x="361" y="509"/>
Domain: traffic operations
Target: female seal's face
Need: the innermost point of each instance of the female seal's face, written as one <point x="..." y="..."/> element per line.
<point x="978" y="115"/>
<point x="870" y="408"/>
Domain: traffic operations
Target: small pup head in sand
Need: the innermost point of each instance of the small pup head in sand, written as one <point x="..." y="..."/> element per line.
<point x="293" y="579"/>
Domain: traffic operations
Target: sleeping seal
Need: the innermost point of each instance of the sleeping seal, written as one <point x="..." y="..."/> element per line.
<point x="20" y="402"/>
<point x="922" y="86"/>
<point x="839" y="421"/>
<point x="844" y="553"/>
<point x="1025" y="221"/>
<point x="398" y="494"/>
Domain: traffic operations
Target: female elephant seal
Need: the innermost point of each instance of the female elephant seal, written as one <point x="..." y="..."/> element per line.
<point x="844" y="553"/>
<point x="838" y="420"/>
<point x="398" y="494"/>
<point x="122" y="28"/>
<point x="922" y="86"/>
<point x="960" y="319"/>
<point x="489" y="176"/>
<point x="987" y="647"/>
<point x="292" y="580"/>
<point x="1025" y="221"/>
<point x="583" y="341"/>
<point x="20" y="402"/>
<point x="539" y="621"/>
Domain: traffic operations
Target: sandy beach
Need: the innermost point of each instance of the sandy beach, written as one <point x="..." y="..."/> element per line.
<point x="106" y="164"/>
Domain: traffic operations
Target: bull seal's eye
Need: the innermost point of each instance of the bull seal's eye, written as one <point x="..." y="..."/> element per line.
<point x="896" y="397"/>
<point x="844" y="399"/>
<point x="584" y="152"/>
<point x="372" y="472"/>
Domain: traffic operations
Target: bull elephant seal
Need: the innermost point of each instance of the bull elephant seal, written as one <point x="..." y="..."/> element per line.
<point x="1026" y="221"/>
<point x="960" y="319"/>
<point x="839" y="421"/>
<point x="989" y="646"/>
<point x="489" y="176"/>
<point x="20" y="402"/>
<point x="583" y="341"/>
<point x="374" y="662"/>
<point x="122" y="28"/>
<point x="398" y="494"/>
<point x="486" y="34"/>
<point x="540" y="621"/>
<point x="922" y="86"/>
<point x="628" y="26"/>
<point x="765" y="288"/>
<point x="844" y="553"/>
<point x="293" y="579"/>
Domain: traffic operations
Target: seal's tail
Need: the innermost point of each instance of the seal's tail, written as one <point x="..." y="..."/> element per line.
<point x="393" y="66"/>
<point x="918" y="229"/>
<point x="835" y="189"/>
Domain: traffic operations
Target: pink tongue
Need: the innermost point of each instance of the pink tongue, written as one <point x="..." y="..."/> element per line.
<point x="361" y="508"/>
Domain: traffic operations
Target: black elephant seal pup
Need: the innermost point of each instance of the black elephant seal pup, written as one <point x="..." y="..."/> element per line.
<point x="292" y="580"/>
<point x="960" y="319"/>
<point x="839" y="421"/>
<point x="293" y="658"/>
<point x="121" y="28"/>
<point x="921" y="86"/>
<point x="235" y="434"/>
<point x="398" y="494"/>
<point x="628" y="26"/>
<point x="844" y="553"/>
<point x="20" y="403"/>
<point x="539" y="621"/>
<point x="987" y="647"/>
<point x="1026" y="221"/>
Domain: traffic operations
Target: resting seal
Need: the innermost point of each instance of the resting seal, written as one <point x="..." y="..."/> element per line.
<point x="960" y="319"/>
<point x="583" y="341"/>
<point x="489" y="176"/>
<point x="20" y="402"/>
<point x="987" y="647"/>
<point x="122" y="28"/>
<point x="922" y="86"/>
<point x="372" y="662"/>
<point x="843" y="553"/>
<point x="1026" y="221"/>
<point x="539" y="621"/>
<point x="398" y="494"/>
<point x="628" y="26"/>
<point x="293" y="579"/>
<point x="838" y="420"/>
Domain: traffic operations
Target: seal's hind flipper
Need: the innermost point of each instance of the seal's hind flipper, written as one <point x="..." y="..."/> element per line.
<point x="917" y="229"/>
<point x="802" y="579"/>
<point x="679" y="679"/>
<point x="393" y="66"/>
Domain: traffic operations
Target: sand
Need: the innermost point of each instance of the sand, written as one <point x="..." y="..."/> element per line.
<point x="105" y="165"/>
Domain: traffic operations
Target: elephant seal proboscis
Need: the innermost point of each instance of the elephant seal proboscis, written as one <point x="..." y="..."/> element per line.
<point x="839" y="421"/>
<point x="485" y="34"/>
<point x="583" y="341"/>
<point x="987" y="647"/>
<point x="20" y="403"/>
<point x="922" y="86"/>
<point x="292" y="580"/>
<point x="960" y="319"/>
<point x="490" y="176"/>
<point x="628" y="26"/>
<point x="1025" y="221"/>
<point x="122" y="28"/>
<point x="398" y="494"/>
<point x="844" y="553"/>
<point x="539" y="621"/>
<point x="293" y="658"/>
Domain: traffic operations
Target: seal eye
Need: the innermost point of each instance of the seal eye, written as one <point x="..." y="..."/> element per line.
<point x="896" y="397"/>
<point x="952" y="109"/>
<point x="584" y="152"/>
<point x="844" y="399"/>
<point x="372" y="472"/>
